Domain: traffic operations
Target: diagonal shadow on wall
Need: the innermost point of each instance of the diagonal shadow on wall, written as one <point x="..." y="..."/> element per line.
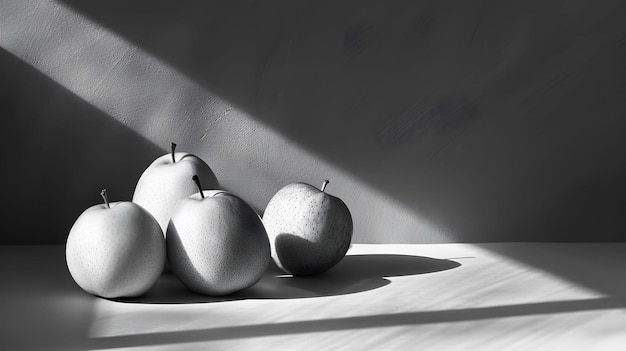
<point x="59" y="153"/>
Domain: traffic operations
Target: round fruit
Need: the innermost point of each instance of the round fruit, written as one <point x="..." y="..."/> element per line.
<point x="115" y="250"/>
<point x="310" y="230"/>
<point x="217" y="244"/>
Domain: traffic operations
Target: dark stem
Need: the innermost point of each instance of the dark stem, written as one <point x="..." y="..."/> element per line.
<point x="324" y="184"/>
<point x="103" y="193"/>
<point x="197" y="180"/>
<point x="173" y="148"/>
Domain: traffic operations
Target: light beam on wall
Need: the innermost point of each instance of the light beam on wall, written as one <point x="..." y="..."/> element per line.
<point x="163" y="105"/>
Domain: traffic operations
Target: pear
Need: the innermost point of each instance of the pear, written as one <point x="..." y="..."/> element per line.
<point x="216" y="243"/>
<point x="115" y="249"/>
<point x="164" y="183"/>
<point x="310" y="230"/>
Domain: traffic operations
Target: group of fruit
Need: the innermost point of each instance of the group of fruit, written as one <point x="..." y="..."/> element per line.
<point x="211" y="239"/>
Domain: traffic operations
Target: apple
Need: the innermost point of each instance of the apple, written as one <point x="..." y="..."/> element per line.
<point x="165" y="182"/>
<point x="216" y="243"/>
<point x="309" y="230"/>
<point x="115" y="249"/>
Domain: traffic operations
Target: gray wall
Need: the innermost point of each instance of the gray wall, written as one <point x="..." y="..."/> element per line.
<point x="436" y="121"/>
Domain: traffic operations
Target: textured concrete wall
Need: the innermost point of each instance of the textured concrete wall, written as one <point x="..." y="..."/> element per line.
<point x="435" y="121"/>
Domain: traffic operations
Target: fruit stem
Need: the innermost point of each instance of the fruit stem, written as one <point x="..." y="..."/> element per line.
<point x="324" y="184"/>
<point x="103" y="193"/>
<point x="173" y="148"/>
<point x="197" y="180"/>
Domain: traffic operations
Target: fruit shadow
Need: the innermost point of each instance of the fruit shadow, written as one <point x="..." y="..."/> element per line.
<point x="353" y="274"/>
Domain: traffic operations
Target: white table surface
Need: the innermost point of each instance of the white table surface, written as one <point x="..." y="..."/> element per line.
<point x="513" y="296"/>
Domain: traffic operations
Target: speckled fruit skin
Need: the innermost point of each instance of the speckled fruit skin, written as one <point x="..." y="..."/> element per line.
<point x="310" y="230"/>
<point x="164" y="183"/>
<point x="115" y="252"/>
<point x="217" y="245"/>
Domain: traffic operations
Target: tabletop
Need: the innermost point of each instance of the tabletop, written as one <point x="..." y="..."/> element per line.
<point x="492" y="296"/>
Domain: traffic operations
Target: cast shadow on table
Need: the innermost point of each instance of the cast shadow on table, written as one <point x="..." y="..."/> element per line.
<point x="354" y="274"/>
